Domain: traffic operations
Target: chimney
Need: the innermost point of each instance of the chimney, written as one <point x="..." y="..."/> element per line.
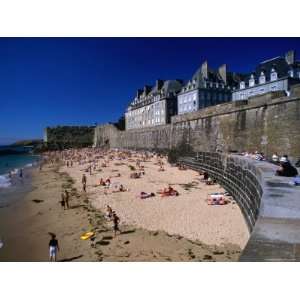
<point x="204" y="69"/>
<point x="159" y="83"/>
<point x="179" y="80"/>
<point x="223" y="72"/>
<point x="147" y="89"/>
<point x="138" y="93"/>
<point x="290" y="57"/>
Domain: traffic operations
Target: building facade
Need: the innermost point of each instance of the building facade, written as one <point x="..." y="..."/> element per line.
<point x="153" y="106"/>
<point x="207" y="87"/>
<point x="276" y="74"/>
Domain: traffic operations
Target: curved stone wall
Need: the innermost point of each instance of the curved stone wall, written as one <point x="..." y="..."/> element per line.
<point x="237" y="176"/>
<point x="270" y="204"/>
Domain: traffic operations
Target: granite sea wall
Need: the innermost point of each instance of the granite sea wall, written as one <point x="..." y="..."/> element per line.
<point x="268" y="123"/>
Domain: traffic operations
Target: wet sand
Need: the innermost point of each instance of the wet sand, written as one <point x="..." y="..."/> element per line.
<point x="24" y="225"/>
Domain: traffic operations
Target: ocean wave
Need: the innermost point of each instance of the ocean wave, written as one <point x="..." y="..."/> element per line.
<point x="5" y="181"/>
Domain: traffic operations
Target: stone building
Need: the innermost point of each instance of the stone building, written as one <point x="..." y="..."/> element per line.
<point x="153" y="105"/>
<point x="276" y="74"/>
<point x="207" y="87"/>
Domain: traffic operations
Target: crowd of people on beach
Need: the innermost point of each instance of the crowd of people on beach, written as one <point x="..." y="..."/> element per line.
<point x="94" y="160"/>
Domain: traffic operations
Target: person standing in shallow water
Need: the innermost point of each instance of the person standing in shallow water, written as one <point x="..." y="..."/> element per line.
<point x="53" y="247"/>
<point x="84" y="182"/>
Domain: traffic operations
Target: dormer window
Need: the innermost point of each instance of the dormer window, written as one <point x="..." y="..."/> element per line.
<point x="242" y="84"/>
<point x="262" y="78"/>
<point x="273" y="74"/>
<point x="291" y="73"/>
<point x="252" y="80"/>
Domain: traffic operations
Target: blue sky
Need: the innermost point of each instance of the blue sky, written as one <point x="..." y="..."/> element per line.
<point x="80" y="81"/>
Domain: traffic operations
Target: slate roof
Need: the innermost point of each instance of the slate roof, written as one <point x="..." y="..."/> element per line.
<point x="278" y="63"/>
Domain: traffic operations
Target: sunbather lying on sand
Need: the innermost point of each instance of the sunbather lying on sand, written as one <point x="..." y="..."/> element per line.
<point x="217" y="201"/>
<point x="181" y="167"/>
<point x="117" y="175"/>
<point x="135" y="175"/>
<point x="168" y="192"/>
<point x="120" y="189"/>
<point x="161" y="169"/>
<point x="145" y="195"/>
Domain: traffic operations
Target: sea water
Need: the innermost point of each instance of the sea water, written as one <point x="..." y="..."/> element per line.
<point x="12" y="163"/>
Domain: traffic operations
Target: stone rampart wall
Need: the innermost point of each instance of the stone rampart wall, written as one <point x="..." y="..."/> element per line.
<point x="268" y="123"/>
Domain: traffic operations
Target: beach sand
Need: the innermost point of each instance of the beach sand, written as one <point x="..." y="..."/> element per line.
<point x="186" y="215"/>
<point x="24" y="225"/>
<point x="182" y="228"/>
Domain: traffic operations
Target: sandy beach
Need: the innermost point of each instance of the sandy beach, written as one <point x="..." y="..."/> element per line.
<point x="175" y="228"/>
<point x="187" y="215"/>
<point x="25" y="223"/>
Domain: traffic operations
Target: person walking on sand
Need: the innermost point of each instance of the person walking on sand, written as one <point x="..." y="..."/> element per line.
<point x="116" y="221"/>
<point x="53" y="247"/>
<point x="63" y="201"/>
<point x="67" y="197"/>
<point x="84" y="182"/>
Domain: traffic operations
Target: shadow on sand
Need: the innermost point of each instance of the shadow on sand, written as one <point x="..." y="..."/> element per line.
<point x="71" y="258"/>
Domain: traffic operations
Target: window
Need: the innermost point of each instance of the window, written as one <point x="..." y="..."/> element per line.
<point x="262" y="78"/>
<point x="291" y="73"/>
<point x="273" y="74"/>
<point x="242" y="84"/>
<point x="252" y="80"/>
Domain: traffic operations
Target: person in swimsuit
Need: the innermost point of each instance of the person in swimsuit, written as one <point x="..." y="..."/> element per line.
<point x="116" y="221"/>
<point x="84" y="182"/>
<point x="53" y="247"/>
<point x="62" y="201"/>
<point x="67" y="197"/>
